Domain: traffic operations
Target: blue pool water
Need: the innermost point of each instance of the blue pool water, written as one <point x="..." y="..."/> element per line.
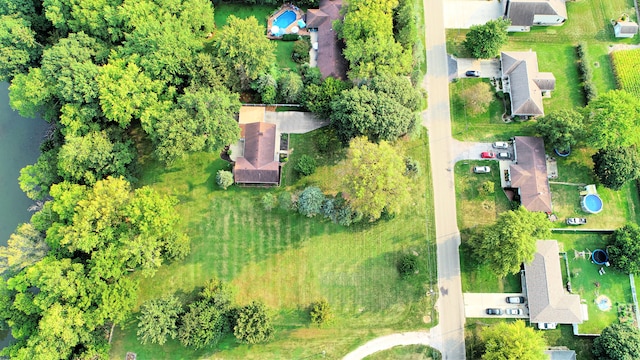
<point x="285" y="19"/>
<point x="592" y="203"/>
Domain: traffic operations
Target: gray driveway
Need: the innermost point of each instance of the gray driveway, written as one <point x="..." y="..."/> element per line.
<point x="476" y="304"/>
<point x="488" y="68"/>
<point x="461" y="14"/>
<point x="294" y="122"/>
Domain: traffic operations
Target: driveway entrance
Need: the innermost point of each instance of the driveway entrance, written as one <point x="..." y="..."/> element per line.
<point x="476" y="305"/>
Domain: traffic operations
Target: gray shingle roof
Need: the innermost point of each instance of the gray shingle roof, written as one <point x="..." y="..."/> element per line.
<point x="627" y="27"/>
<point x="521" y="12"/>
<point x="529" y="174"/>
<point x="548" y="302"/>
<point x="526" y="82"/>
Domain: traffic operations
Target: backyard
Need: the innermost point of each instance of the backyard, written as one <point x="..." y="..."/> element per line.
<point x="288" y="261"/>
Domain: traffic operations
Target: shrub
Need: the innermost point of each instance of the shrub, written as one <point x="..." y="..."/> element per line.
<point x="310" y="201"/>
<point x="300" y="52"/>
<point x="588" y="88"/>
<point x="413" y="167"/>
<point x="306" y="165"/>
<point x="328" y="209"/>
<point x="269" y="201"/>
<point x="284" y="200"/>
<point x="407" y="265"/>
<point x="321" y="313"/>
<point x="224" y="179"/>
<point x="290" y="37"/>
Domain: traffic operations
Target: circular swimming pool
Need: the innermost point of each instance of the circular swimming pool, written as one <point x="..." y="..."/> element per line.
<point x="592" y="203"/>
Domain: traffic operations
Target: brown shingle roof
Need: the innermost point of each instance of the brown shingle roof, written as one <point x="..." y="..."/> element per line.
<point x="330" y="59"/>
<point x="529" y="174"/>
<point x="522" y="12"/>
<point x="548" y="302"/>
<point x="526" y="83"/>
<point x="258" y="164"/>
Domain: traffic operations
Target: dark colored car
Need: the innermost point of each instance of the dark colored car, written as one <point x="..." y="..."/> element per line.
<point x="494" y="311"/>
<point x="472" y="73"/>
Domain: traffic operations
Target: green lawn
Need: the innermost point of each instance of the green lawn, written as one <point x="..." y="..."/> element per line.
<point x="288" y="261"/>
<point x="409" y="352"/>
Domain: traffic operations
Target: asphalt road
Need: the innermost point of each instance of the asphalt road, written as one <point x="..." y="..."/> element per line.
<point x="448" y="336"/>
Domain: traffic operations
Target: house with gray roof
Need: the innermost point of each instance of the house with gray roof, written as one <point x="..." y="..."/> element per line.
<point x="548" y="300"/>
<point x="625" y="29"/>
<point x="523" y="82"/>
<point x="528" y="174"/>
<point x="526" y="13"/>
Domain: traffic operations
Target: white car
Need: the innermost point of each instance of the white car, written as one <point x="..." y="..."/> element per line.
<point x="481" y="169"/>
<point x="514" y="311"/>
<point x="547" y="326"/>
<point x="500" y="145"/>
<point x="504" y="155"/>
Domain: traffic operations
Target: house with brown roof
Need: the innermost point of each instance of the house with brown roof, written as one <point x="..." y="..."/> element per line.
<point x="526" y="13"/>
<point x="523" y="82"/>
<point x="329" y="48"/>
<point x="548" y="300"/>
<point x="625" y="29"/>
<point x="528" y="174"/>
<point x="259" y="163"/>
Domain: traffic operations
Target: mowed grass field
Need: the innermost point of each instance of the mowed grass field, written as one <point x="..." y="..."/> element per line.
<point x="288" y="261"/>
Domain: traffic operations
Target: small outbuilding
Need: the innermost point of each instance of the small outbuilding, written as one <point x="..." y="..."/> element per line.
<point x="625" y="29"/>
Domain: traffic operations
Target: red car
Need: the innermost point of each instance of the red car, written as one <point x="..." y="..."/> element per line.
<point x="487" y="155"/>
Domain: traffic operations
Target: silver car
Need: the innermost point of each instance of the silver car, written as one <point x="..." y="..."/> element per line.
<point x="500" y="145"/>
<point x="481" y="169"/>
<point x="514" y="311"/>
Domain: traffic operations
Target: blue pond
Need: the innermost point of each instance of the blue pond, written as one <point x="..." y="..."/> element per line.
<point x="592" y="204"/>
<point x="285" y="19"/>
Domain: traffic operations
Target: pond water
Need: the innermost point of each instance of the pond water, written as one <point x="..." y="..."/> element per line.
<point x="19" y="146"/>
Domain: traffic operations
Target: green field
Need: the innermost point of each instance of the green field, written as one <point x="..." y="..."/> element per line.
<point x="289" y="261"/>
<point x="626" y="66"/>
<point x="409" y="352"/>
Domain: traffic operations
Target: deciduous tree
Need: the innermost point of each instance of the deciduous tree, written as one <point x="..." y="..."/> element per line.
<point x="561" y="129"/>
<point x="253" y="324"/>
<point x="624" y="249"/>
<point x="615" y="166"/>
<point x="25" y="247"/>
<point x="18" y="47"/>
<point x="373" y="177"/>
<point x="485" y="41"/>
<point x="613" y="119"/>
<point x="617" y="342"/>
<point x="513" y="341"/>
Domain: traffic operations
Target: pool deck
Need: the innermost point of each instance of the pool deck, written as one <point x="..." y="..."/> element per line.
<point x="287" y="30"/>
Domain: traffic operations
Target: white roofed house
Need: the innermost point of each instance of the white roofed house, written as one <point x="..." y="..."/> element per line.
<point x="523" y="82"/>
<point x="526" y="13"/>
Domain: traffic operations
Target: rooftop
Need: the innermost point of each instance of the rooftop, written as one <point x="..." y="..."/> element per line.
<point x="529" y="174"/>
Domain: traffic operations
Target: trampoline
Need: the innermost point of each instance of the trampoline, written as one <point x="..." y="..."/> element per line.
<point x="592" y="203"/>
<point x="600" y="257"/>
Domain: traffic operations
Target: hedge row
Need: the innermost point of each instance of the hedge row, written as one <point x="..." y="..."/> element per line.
<point x="586" y="77"/>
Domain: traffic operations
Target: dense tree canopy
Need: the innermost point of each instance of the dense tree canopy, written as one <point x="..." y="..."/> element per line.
<point x="158" y="320"/>
<point x="514" y="340"/>
<point x="511" y="240"/>
<point x="615" y="166"/>
<point x="624" y="249"/>
<point x="25" y="247"/>
<point x="561" y="129"/>
<point x="373" y="177"/>
<point x="613" y="119"/>
<point x="19" y="49"/>
<point x="617" y="342"/>
<point x="485" y="41"/>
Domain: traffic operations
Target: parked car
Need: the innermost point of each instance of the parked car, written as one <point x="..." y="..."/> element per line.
<point x="500" y="145"/>
<point x="481" y="169"/>
<point x="493" y="311"/>
<point x="472" y="73"/>
<point x="576" y="221"/>
<point x="487" y="155"/>
<point x="547" y="326"/>
<point x="515" y="299"/>
<point x="504" y="155"/>
<point x="514" y="311"/>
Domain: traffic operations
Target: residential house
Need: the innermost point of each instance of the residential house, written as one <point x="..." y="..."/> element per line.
<point x="524" y="83"/>
<point x="625" y="29"/>
<point x="526" y="13"/>
<point x="548" y="300"/>
<point x="329" y="49"/>
<point x="528" y="174"/>
<point x="257" y="159"/>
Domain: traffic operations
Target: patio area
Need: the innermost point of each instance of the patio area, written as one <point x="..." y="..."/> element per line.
<point x="289" y="19"/>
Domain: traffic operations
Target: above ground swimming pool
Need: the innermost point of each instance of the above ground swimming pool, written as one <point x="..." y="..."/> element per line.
<point x="285" y="19"/>
<point x="592" y="203"/>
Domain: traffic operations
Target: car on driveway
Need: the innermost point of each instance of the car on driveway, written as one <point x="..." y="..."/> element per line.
<point x="487" y="155"/>
<point x="547" y="326"/>
<point x="493" y="311"/>
<point x="500" y="145"/>
<point x="481" y="169"/>
<point x="515" y="299"/>
<point x="472" y="73"/>
<point x="514" y="311"/>
<point x="504" y="155"/>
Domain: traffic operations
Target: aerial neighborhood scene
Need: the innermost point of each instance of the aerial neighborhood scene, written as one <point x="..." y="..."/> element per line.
<point x="319" y="179"/>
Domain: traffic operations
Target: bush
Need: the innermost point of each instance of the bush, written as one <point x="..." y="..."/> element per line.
<point x="306" y="165"/>
<point x="284" y="201"/>
<point x="269" y="201"/>
<point x="300" y="52"/>
<point x="407" y="265"/>
<point x="328" y="209"/>
<point x="290" y="37"/>
<point x="413" y="167"/>
<point x="584" y="70"/>
<point x="224" y="179"/>
<point x="321" y="313"/>
<point x="310" y="201"/>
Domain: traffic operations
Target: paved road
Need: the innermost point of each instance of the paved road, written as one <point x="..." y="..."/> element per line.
<point x="448" y="336"/>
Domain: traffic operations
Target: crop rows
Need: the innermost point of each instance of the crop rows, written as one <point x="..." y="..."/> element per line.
<point x="626" y="66"/>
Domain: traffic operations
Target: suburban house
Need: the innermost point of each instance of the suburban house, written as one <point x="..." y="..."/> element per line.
<point x="527" y="175"/>
<point x="524" y="83"/>
<point x="625" y="29"/>
<point x="324" y="39"/>
<point x="258" y="161"/>
<point x="549" y="302"/>
<point x="526" y="13"/>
